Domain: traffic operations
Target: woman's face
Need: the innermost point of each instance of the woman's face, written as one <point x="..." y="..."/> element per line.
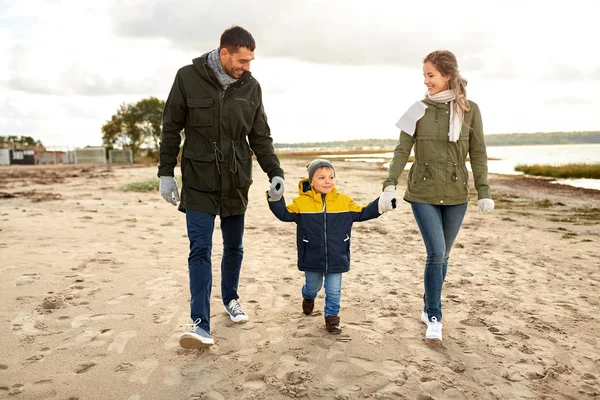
<point x="434" y="80"/>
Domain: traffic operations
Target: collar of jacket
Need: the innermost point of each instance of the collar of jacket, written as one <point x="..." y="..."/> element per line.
<point x="445" y="106"/>
<point x="304" y="189"/>
<point x="201" y="65"/>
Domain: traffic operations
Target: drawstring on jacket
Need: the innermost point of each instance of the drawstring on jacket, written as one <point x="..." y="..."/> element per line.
<point x="233" y="165"/>
<point x="218" y="157"/>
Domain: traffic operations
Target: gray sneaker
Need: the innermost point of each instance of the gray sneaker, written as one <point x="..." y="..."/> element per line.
<point x="236" y="314"/>
<point x="195" y="337"/>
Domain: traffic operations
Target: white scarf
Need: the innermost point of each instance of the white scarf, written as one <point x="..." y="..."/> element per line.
<point x="408" y="121"/>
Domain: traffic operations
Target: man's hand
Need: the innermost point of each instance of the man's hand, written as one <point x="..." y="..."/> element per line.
<point x="169" y="190"/>
<point x="277" y="188"/>
<point x="387" y="200"/>
<point x="485" y="206"/>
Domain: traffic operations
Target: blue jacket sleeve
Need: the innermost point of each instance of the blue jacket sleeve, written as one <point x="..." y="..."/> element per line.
<point x="369" y="212"/>
<point x="279" y="209"/>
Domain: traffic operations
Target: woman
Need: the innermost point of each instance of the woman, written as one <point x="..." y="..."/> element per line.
<point x="443" y="127"/>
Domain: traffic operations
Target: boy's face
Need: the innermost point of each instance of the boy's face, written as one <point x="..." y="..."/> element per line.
<point x="323" y="180"/>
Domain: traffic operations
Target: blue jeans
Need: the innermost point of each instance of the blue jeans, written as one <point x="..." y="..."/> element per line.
<point x="439" y="226"/>
<point x="333" y="290"/>
<point x="200" y="227"/>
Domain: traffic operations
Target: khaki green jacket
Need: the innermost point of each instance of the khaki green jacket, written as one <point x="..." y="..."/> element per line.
<point x="439" y="174"/>
<point x="223" y="129"/>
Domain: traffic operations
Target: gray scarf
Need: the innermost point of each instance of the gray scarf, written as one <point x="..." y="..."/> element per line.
<point x="214" y="62"/>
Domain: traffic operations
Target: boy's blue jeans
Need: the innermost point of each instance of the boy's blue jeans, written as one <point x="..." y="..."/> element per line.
<point x="333" y="290"/>
<point x="439" y="226"/>
<point x="200" y="227"/>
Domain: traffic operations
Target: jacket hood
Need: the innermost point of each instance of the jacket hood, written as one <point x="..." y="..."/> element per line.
<point x="304" y="189"/>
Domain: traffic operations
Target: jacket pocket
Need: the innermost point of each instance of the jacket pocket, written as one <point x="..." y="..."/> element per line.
<point x="305" y="243"/>
<point x="243" y="164"/>
<point x="457" y="181"/>
<point x="346" y="256"/>
<point x="422" y="174"/>
<point x="200" y="111"/>
<point x="199" y="173"/>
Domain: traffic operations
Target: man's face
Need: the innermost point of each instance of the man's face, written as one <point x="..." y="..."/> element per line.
<point x="236" y="63"/>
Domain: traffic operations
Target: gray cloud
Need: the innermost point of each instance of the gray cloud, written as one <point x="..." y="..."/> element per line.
<point x="78" y="81"/>
<point x="333" y="32"/>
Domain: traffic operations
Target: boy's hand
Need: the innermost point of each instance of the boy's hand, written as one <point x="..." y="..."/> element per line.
<point x="387" y="200"/>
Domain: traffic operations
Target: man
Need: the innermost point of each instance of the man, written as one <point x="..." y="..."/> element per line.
<point x="219" y="105"/>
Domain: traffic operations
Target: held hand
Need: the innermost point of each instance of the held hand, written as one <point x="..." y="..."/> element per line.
<point x="485" y="206"/>
<point x="387" y="200"/>
<point x="277" y="187"/>
<point x="169" y="190"/>
<point x="271" y="197"/>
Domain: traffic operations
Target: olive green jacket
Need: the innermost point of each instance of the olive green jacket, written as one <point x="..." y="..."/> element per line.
<point x="439" y="174"/>
<point x="223" y="129"/>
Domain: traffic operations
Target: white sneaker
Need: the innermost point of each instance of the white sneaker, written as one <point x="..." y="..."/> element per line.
<point x="424" y="318"/>
<point x="434" y="330"/>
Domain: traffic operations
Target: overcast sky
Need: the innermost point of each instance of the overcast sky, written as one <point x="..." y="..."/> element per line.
<point x="329" y="70"/>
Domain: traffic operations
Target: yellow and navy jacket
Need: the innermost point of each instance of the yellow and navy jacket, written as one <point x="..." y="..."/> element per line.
<point x="323" y="226"/>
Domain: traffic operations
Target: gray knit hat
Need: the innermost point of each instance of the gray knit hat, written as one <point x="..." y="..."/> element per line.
<point x="315" y="164"/>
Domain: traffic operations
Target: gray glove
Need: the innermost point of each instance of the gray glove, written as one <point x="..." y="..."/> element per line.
<point x="277" y="188"/>
<point x="169" y="190"/>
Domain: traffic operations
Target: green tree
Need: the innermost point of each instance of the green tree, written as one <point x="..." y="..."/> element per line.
<point x="20" y="141"/>
<point x="135" y="126"/>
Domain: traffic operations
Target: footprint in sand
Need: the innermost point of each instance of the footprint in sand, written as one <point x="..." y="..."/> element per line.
<point x="372" y="336"/>
<point x="26" y="279"/>
<point x="24" y="324"/>
<point x="162" y="289"/>
<point x="15" y="389"/>
<point x="143" y="370"/>
<point x="392" y="369"/>
<point x="337" y="376"/>
<point x="120" y="342"/>
<point x="37" y="357"/>
<point x="119" y="299"/>
<point x="338" y="348"/>
<point x="79" y="320"/>
<point x="90" y="337"/>
<point x="164" y="315"/>
<point x="307" y="327"/>
<point x="42" y="389"/>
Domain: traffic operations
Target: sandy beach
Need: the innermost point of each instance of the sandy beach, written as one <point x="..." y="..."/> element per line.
<point x="94" y="295"/>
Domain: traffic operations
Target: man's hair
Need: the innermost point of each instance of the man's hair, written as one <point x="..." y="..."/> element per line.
<point x="235" y="37"/>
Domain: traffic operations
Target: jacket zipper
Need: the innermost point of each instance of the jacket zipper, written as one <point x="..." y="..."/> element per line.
<point x="325" y="231"/>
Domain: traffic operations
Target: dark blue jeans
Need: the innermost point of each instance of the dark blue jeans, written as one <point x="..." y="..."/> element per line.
<point x="439" y="226"/>
<point x="200" y="227"/>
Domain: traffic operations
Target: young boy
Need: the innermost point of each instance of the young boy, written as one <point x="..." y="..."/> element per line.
<point x="324" y="219"/>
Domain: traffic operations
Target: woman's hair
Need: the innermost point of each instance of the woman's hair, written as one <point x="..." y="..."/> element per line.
<point x="446" y="63"/>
